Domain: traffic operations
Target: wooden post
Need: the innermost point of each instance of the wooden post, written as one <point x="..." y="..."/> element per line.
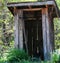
<point x="21" y="29"/>
<point x="16" y="30"/>
<point x="46" y="34"/>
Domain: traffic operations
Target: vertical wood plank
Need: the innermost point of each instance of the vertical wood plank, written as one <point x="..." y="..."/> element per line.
<point x="16" y="30"/>
<point x="21" y="29"/>
<point x="46" y="34"/>
<point x="18" y="18"/>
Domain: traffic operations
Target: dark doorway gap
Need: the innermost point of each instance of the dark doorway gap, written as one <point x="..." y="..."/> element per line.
<point x="33" y="29"/>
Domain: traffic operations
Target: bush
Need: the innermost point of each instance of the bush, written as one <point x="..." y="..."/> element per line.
<point x="16" y="55"/>
<point x="20" y="56"/>
<point x="56" y="57"/>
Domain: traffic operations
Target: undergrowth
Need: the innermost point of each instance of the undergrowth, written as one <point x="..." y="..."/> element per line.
<point x="20" y="56"/>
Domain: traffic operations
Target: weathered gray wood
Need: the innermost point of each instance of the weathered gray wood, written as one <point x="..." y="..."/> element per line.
<point x="46" y="34"/>
<point x="16" y="30"/>
<point x="31" y="3"/>
<point x="20" y="29"/>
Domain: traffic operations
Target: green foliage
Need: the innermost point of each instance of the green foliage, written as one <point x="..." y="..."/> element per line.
<point x="55" y="57"/>
<point x="58" y="3"/>
<point x="17" y="55"/>
<point x="23" y="0"/>
<point x="7" y="19"/>
<point x="20" y="56"/>
<point x="57" y="32"/>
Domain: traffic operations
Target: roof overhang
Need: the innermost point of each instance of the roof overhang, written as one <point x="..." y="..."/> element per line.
<point x="21" y="4"/>
<point x="27" y="5"/>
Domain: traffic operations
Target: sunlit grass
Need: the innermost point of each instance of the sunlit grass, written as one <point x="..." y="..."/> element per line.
<point x="22" y="0"/>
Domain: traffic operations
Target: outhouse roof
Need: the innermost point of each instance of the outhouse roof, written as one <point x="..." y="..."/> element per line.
<point x="28" y="5"/>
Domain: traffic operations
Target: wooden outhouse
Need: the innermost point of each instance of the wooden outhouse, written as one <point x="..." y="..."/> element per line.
<point x="34" y="27"/>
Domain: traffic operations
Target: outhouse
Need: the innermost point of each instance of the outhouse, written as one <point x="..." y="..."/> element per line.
<point x="34" y="27"/>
